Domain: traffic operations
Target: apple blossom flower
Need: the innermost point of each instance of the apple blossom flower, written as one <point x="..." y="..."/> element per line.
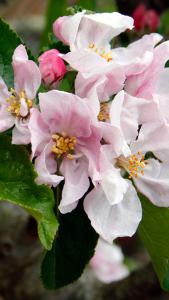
<point x="113" y="205"/>
<point x="134" y="58"/>
<point x="89" y="39"/>
<point x="66" y="143"/>
<point x="52" y="68"/>
<point x="107" y="262"/>
<point x="94" y="59"/>
<point x="15" y="105"/>
<point x="127" y="62"/>
<point x="92" y="32"/>
<point x="152" y="129"/>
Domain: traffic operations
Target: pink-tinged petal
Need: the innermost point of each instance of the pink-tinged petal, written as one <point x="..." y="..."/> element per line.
<point x="27" y="78"/>
<point x="39" y="132"/>
<point x="80" y="30"/>
<point x="76" y="183"/>
<point x="112" y="221"/>
<point x="85" y="60"/>
<point x="46" y="167"/>
<point x="113" y="185"/>
<point x="87" y="86"/>
<point x="90" y="90"/>
<point x="162" y="93"/>
<point x="115" y="110"/>
<point x="163" y="86"/>
<point x="109" y="81"/>
<point x="111" y="134"/>
<point x="144" y="84"/>
<point x="107" y="263"/>
<point x="20" y="54"/>
<point x="57" y="28"/>
<point x="131" y="62"/>
<point x="115" y="80"/>
<point x="21" y="133"/>
<point x="6" y="119"/>
<point x="100" y="28"/>
<point x="4" y="93"/>
<point x="24" y="108"/>
<point x="116" y="144"/>
<point x="66" y="28"/>
<point x="154" y="184"/>
<point x="90" y="147"/>
<point x="65" y="112"/>
<point x="138" y="55"/>
<point x="152" y="137"/>
<point x="150" y="110"/>
<point x="126" y="112"/>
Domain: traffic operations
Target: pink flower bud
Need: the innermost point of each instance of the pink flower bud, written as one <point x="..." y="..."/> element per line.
<point x="152" y="20"/>
<point x="52" y="67"/>
<point x="138" y="16"/>
<point x="145" y="18"/>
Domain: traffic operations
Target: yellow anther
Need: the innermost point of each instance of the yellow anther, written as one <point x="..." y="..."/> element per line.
<point x="63" y="145"/>
<point x="91" y="46"/>
<point x="14" y="102"/>
<point x="103" y="115"/>
<point x="70" y="156"/>
<point x="106" y="55"/>
<point x="134" y="164"/>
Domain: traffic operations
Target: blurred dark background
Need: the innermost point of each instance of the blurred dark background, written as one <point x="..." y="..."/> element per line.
<point x="127" y="6"/>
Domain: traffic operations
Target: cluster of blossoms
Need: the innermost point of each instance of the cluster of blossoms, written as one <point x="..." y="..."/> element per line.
<point x="111" y="134"/>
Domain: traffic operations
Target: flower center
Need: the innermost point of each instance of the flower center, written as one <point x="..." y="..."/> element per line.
<point x="103" y="115"/>
<point x="106" y="55"/>
<point x="133" y="164"/>
<point x="63" y="144"/>
<point x="15" y="103"/>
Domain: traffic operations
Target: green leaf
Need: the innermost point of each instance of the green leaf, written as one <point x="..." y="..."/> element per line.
<point x="67" y="84"/>
<point x="72" y="249"/>
<point x="9" y="40"/>
<point x="153" y="230"/>
<point x="54" y="43"/>
<point x="164" y="23"/>
<point x="18" y="187"/>
<point x="88" y="4"/>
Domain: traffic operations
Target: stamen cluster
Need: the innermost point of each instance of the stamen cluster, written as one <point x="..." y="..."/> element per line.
<point x="101" y="52"/>
<point x="133" y="164"/>
<point x="136" y="165"/>
<point x="104" y="112"/>
<point x="63" y="144"/>
<point x="14" y="102"/>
